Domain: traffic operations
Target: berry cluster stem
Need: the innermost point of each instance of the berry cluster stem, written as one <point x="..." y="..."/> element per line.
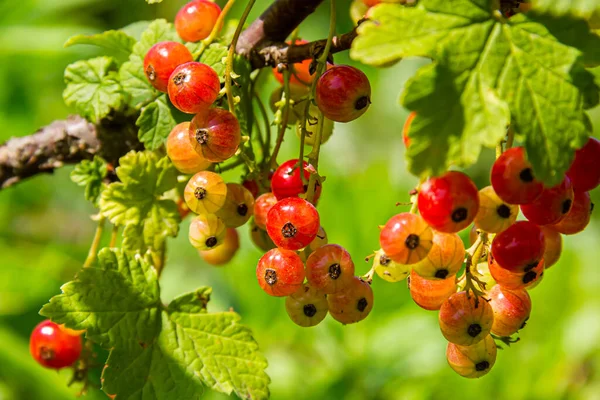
<point x="113" y="236"/>
<point x="215" y="31"/>
<point x="91" y="257"/>
<point x="472" y="283"/>
<point x="284" y="119"/>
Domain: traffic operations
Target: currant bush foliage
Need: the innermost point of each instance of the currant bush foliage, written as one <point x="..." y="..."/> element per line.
<point x="583" y="8"/>
<point x="157" y="351"/>
<point x="487" y="71"/>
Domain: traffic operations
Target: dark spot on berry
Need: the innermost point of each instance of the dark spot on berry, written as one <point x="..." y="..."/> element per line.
<point x="179" y="78"/>
<point x="529" y="276"/>
<point x="242" y="210"/>
<point x="362" y="304"/>
<point x="200" y="193"/>
<point x="150" y="73"/>
<point x="201" y="135"/>
<point x="531" y="266"/>
<point x="288" y="230"/>
<point x="441" y="273"/>
<point x="474" y="330"/>
<point x="310" y="310"/>
<point x="412" y="241"/>
<point x="503" y="211"/>
<point x="459" y="215"/>
<point x="384" y="260"/>
<point x="211" y="241"/>
<point x="566" y="206"/>
<point x="362" y="102"/>
<point x="270" y="276"/>
<point x="482" y="366"/>
<point x="46" y="354"/>
<point x="335" y="270"/>
<point x="526" y="175"/>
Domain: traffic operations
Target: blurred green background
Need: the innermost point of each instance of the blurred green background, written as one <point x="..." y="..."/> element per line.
<point x="396" y="353"/>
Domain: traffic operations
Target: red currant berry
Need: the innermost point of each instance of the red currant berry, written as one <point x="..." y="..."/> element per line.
<point x="515" y="280"/>
<point x="494" y="215"/>
<point x="193" y="87"/>
<point x="343" y="93"/>
<point x="260" y="238"/>
<point x="329" y="268"/>
<point x="300" y="76"/>
<point x="449" y="203"/>
<point x="511" y="309"/>
<point x="472" y="361"/>
<point x="579" y="216"/>
<point x="520" y="247"/>
<point x="161" y="60"/>
<point x="406" y="238"/>
<point x="222" y="254"/>
<point x="553" y="241"/>
<point x="307" y="307"/>
<point x="406" y="128"/>
<point x="387" y="269"/>
<point x="207" y="231"/>
<point x="262" y="206"/>
<point x="238" y="207"/>
<point x="430" y="294"/>
<point x="371" y="3"/>
<point x="181" y="152"/>
<point x="252" y="186"/>
<point x="287" y="182"/>
<point x="53" y="346"/>
<point x="584" y="172"/>
<point x="215" y="134"/>
<point x="512" y="178"/>
<point x="444" y="259"/>
<point x="552" y="205"/>
<point x="353" y="304"/>
<point x="196" y="20"/>
<point x="293" y="223"/>
<point x="280" y="272"/>
<point x="205" y="192"/>
<point x="465" y="319"/>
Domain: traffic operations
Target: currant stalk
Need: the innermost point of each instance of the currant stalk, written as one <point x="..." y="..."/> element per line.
<point x="215" y="31"/>
<point x="91" y="257"/>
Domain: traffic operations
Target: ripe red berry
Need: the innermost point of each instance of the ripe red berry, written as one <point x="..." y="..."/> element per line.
<point x="371" y="3"/>
<point x="181" y="152"/>
<point x="280" y="272"/>
<point x="215" y="134"/>
<point x="520" y="247"/>
<point x="238" y="206"/>
<point x="353" y="303"/>
<point x="511" y="309"/>
<point x="260" y="238"/>
<point x="389" y="270"/>
<point x="552" y="205"/>
<point x="343" y="93"/>
<point x="207" y="231"/>
<point x="449" y="203"/>
<point x="329" y="268"/>
<point x="196" y="20"/>
<point x="406" y="238"/>
<point x="553" y="245"/>
<point x="512" y="178"/>
<point x="515" y="280"/>
<point x="293" y="223"/>
<point x="406" y="128"/>
<point x="161" y="60"/>
<point x="430" y="294"/>
<point x="584" y="172"/>
<point x="307" y="306"/>
<point x="287" y="182"/>
<point x="222" y="254"/>
<point x="193" y="87"/>
<point x="579" y="216"/>
<point x="205" y="192"/>
<point x="465" y="320"/>
<point x="53" y="346"/>
<point x="494" y="214"/>
<point x="472" y="361"/>
<point x="444" y="259"/>
<point x="262" y="206"/>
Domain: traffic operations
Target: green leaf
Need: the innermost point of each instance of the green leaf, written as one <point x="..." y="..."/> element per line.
<point x="582" y="8"/>
<point x="135" y="29"/>
<point x="154" y="1"/>
<point x="485" y="74"/>
<point x="213" y="57"/>
<point x="117" y="42"/>
<point x="242" y="89"/>
<point x="158" y="31"/>
<point x="93" y="88"/>
<point x="90" y="173"/>
<point x="155" y="123"/>
<point x="116" y="301"/>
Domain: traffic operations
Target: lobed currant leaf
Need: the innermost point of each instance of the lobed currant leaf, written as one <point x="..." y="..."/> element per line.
<point x="90" y="173"/>
<point x="213" y="56"/>
<point x="118" y="43"/>
<point x="581" y="8"/>
<point x="135" y="29"/>
<point x="93" y="88"/>
<point x="158" y="31"/>
<point x="155" y="123"/>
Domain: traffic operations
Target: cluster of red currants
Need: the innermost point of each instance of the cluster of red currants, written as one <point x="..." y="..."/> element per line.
<point x="490" y="299"/>
<point x="54" y="346"/>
